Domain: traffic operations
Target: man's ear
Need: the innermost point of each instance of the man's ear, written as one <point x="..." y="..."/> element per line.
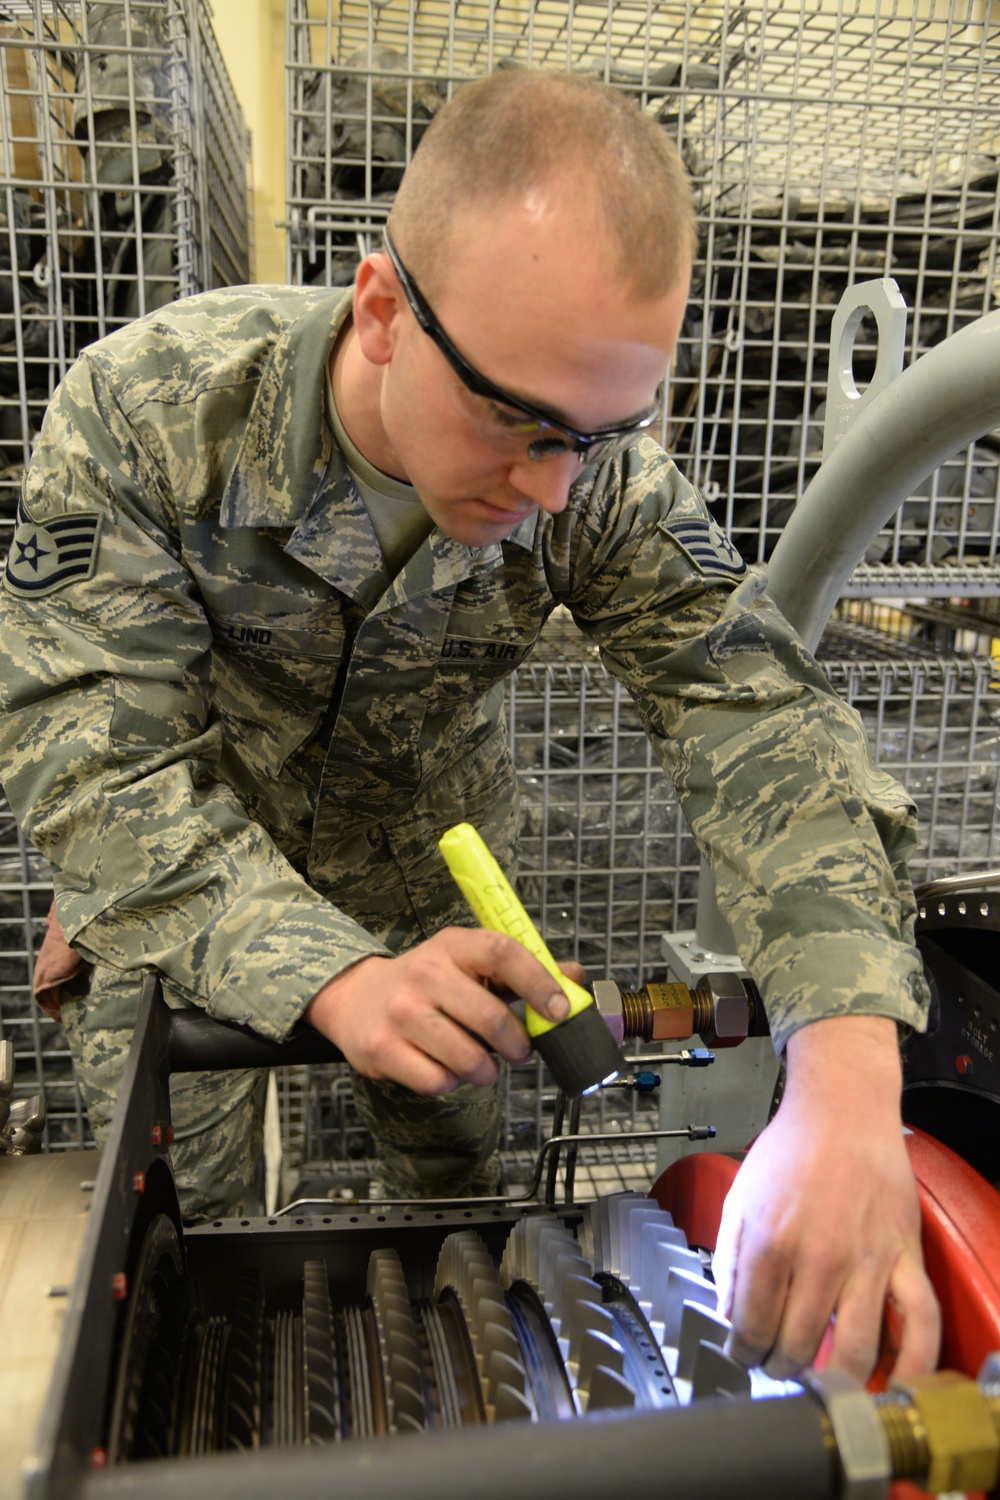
<point x="378" y="304"/>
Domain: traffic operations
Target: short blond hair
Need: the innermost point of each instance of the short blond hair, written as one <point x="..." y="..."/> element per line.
<point x="502" y="136"/>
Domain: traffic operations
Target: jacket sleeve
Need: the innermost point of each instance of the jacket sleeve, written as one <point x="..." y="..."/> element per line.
<point x="808" y="840"/>
<point x="108" y="743"/>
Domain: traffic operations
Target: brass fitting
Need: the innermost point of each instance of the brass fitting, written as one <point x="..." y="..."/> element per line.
<point x="659" y="1012"/>
<point x="723" y="1011"/>
<point x="943" y="1431"/>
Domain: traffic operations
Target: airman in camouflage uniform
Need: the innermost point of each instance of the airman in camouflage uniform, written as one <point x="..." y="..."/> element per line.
<point x="238" y="733"/>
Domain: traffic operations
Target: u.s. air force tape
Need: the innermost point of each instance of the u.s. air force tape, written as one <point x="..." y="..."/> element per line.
<point x="45" y="557"/>
<point x="707" y="546"/>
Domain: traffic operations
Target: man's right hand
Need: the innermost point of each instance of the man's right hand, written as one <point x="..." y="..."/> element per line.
<point x="417" y="1019"/>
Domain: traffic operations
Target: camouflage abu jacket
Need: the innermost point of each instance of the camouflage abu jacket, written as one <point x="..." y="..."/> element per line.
<point x="237" y="741"/>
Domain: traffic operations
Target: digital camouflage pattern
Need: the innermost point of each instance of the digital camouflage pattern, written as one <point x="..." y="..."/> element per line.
<point x="447" y="1147"/>
<point x="237" y="740"/>
<point x="217" y="1117"/>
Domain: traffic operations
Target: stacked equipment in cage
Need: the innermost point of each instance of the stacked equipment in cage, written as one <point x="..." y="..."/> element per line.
<point x="828" y="144"/>
<point x="123" y="185"/>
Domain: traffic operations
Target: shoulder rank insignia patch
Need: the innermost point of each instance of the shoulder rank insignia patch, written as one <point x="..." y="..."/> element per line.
<point x="707" y="546"/>
<point x="43" y="558"/>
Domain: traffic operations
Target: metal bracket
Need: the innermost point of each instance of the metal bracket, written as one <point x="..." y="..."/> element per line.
<point x="844" y="402"/>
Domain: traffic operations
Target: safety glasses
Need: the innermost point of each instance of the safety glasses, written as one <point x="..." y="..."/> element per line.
<point x="553" y="436"/>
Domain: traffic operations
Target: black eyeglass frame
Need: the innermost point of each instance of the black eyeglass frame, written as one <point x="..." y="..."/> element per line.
<point x="588" y="446"/>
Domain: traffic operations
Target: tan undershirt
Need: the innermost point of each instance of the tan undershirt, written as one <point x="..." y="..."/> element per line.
<point x="394" y="508"/>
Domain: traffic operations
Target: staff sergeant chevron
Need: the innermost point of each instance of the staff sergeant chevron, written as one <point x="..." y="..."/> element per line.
<point x="43" y="558"/>
<point x="707" y="546"/>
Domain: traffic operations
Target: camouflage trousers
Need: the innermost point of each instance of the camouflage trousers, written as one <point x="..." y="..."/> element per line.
<point x="428" y="1147"/>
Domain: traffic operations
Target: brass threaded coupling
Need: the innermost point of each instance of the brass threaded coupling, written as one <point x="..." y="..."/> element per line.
<point x="939" y="1431"/>
<point x="722" y="1011"/>
<point x="906" y="1435"/>
<point x="943" y="1431"/>
<point x="661" y="1012"/>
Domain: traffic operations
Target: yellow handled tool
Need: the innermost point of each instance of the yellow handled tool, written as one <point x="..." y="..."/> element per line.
<point x="580" y="1051"/>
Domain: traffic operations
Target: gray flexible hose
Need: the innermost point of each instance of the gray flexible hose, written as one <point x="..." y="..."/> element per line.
<point x="942" y="402"/>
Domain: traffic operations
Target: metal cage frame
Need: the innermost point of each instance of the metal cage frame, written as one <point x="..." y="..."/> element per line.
<point x="123" y="184"/>
<point x="827" y="144"/>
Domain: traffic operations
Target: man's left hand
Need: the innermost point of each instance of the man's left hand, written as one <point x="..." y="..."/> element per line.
<point x="823" y="1219"/>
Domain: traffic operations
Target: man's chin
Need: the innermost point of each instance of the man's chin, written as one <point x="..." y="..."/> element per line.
<point x="483" y="523"/>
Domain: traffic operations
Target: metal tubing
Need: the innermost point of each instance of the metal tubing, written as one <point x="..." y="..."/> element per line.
<point x="953" y="885"/>
<point x="710" y="1451"/>
<point x="940" y="404"/>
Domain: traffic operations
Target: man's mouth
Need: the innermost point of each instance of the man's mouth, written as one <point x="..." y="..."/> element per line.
<point x="515" y="514"/>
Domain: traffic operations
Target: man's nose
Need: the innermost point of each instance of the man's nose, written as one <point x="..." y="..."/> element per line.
<point x="546" y="480"/>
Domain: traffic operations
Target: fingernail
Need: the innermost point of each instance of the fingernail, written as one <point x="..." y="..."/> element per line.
<point x="780" y="1367"/>
<point x="739" y="1349"/>
<point x="558" y="1006"/>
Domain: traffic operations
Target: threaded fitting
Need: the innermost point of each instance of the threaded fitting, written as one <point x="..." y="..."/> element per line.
<point x="906" y="1435"/>
<point x="637" y="1014"/>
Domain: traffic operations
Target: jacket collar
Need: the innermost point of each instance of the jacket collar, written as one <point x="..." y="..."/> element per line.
<point x="286" y="444"/>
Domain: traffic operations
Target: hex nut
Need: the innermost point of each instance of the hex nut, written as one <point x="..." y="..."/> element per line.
<point x="730" y="1011"/>
<point x="862" y="1446"/>
<point x="607" y="996"/>
<point x="608" y="999"/>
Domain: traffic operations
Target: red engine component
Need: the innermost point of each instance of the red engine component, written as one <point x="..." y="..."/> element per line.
<point x="961" y="1235"/>
<point x="961" y="1239"/>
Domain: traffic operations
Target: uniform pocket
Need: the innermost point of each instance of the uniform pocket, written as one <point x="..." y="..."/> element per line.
<point x="480" y="789"/>
<point x="272" y="688"/>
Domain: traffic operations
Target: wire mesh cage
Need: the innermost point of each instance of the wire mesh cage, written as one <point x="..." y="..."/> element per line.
<point x="828" y="144"/>
<point x="123" y="166"/>
<point x="608" y="864"/>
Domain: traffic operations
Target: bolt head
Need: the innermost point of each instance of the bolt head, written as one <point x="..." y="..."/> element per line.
<point x="730" y="1019"/>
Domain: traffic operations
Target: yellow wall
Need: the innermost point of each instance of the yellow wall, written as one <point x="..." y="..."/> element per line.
<point x="251" y="37"/>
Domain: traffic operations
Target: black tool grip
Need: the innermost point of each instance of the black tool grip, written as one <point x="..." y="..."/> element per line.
<point x="198" y="1041"/>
